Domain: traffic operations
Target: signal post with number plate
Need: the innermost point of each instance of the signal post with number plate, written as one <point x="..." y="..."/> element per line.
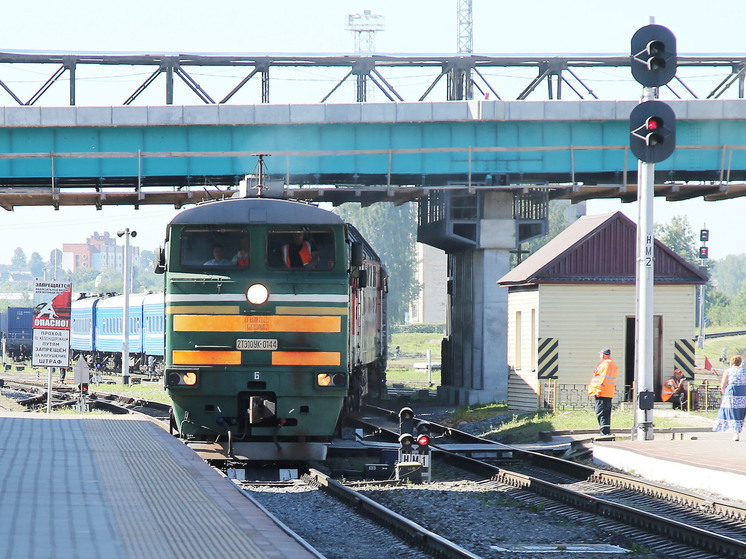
<point x="653" y="61"/>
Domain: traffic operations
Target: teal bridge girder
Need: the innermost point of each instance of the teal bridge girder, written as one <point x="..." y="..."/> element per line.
<point x="368" y="152"/>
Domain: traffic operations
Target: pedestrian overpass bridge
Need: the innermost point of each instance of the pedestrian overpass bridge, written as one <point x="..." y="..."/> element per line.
<point x="483" y="172"/>
<point x="360" y="152"/>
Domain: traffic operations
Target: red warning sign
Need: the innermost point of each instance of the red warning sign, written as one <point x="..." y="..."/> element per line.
<point x="51" y="324"/>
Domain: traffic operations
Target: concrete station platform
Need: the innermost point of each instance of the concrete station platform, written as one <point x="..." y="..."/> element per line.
<point x="703" y="461"/>
<point x="121" y="488"/>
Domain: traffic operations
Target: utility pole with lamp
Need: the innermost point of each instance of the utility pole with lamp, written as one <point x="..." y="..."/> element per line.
<point x="126" y="233"/>
<point x="652" y="139"/>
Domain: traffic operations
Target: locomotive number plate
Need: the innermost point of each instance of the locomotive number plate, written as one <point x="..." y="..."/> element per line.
<point x="249" y="343"/>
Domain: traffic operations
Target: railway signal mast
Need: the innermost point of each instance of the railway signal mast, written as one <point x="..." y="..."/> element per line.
<point x="652" y="139"/>
<point x="704" y="236"/>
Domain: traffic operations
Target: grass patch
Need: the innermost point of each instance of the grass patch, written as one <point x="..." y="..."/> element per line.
<point x="72" y="411"/>
<point x="411" y="378"/>
<point x="153" y="391"/>
<point x="415" y="345"/>
<point x="413" y="349"/>
<point x="713" y="349"/>
<point x="524" y="428"/>
<point x="477" y="412"/>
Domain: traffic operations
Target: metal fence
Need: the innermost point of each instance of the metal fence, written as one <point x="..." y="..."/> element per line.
<point x="554" y="396"/>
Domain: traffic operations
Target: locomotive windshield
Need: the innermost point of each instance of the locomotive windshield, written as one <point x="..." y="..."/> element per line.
<point x="300" y="249"/>
<point x="215" y="248"/>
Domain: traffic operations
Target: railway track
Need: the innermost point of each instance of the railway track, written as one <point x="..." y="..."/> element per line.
<point x="714" y="527"/>
<point x="727" y="334"/>
<point x="63" y="397"/>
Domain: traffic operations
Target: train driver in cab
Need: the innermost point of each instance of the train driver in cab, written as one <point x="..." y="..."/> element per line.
<point x="299" y="253"/>
<point x="218" y="257"/>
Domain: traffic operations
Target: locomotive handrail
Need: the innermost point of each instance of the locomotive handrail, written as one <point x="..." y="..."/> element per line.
<point x="206" y="279"/>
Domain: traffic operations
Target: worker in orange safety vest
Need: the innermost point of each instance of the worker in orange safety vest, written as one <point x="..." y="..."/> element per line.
<point x="242" y="256"/>
<point x="602" y="387"/>
<point x="674" y="389"/>
<point x="298" y="253"/>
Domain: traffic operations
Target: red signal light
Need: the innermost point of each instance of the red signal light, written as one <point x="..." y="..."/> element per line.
<point x="654" y="123"/>
<point x="423" y="440"/>
<point x="84" y="388"/>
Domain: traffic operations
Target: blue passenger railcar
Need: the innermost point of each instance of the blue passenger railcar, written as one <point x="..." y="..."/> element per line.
<point x="82" y="317"/>
<point x="153" y="332"/>
<point x="97" y="329"/>
<point x="110" y="324"/>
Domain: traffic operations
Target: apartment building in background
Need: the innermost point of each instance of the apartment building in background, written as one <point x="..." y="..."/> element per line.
<point x="98" y="252"/>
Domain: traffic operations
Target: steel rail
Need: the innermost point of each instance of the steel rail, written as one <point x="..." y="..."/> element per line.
<point x="722" y="334"/>
<point x="703" y="539"/>
<point x="411" y="531"/>
<point x="580" y="471"/>
<point x="113" y="403"/>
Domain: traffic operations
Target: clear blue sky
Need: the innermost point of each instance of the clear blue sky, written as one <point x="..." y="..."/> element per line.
<point x="300" y="26"/>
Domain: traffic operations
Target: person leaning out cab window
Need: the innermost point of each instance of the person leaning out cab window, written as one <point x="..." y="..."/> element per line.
<point x="299" y="253"/>
<point x="602" y="387"/>
<point x="241" y="258"/>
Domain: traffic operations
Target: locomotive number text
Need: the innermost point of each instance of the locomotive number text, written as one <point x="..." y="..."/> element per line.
<point x="250" y="344"/>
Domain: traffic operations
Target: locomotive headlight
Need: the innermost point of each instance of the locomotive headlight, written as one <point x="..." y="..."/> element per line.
<point x="334" y="379"/>
<point x="181" y="378"/>
<point x="257" y="294"/>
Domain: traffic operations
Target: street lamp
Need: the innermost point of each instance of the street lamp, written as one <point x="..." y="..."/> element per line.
<point x="126" y="330"/>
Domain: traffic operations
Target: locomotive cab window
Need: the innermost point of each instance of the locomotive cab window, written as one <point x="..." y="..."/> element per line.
<point x="208" y="249"/>
<point x="300" y="249"/>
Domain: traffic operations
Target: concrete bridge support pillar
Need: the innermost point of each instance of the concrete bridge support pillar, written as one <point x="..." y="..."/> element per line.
<point x="474" y="359"/>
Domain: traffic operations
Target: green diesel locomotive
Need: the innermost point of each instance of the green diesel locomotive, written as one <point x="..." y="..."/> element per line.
<point x="275" y="325"/>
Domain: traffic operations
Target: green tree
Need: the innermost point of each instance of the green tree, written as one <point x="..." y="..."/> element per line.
<point x="729" y="273"/>
<point x="83" y="279"/>
<point x="19" y="258"/>
<point x="735" y="311"/>
<point x="147" y="280"/>
<point x="719" y="309"/>
<point x="392" y="232"/>
<point x="557" y="223"/>
<point x="36" y="265"/>
<point x="679" y="237"/>
<point x="109" y="280"/>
